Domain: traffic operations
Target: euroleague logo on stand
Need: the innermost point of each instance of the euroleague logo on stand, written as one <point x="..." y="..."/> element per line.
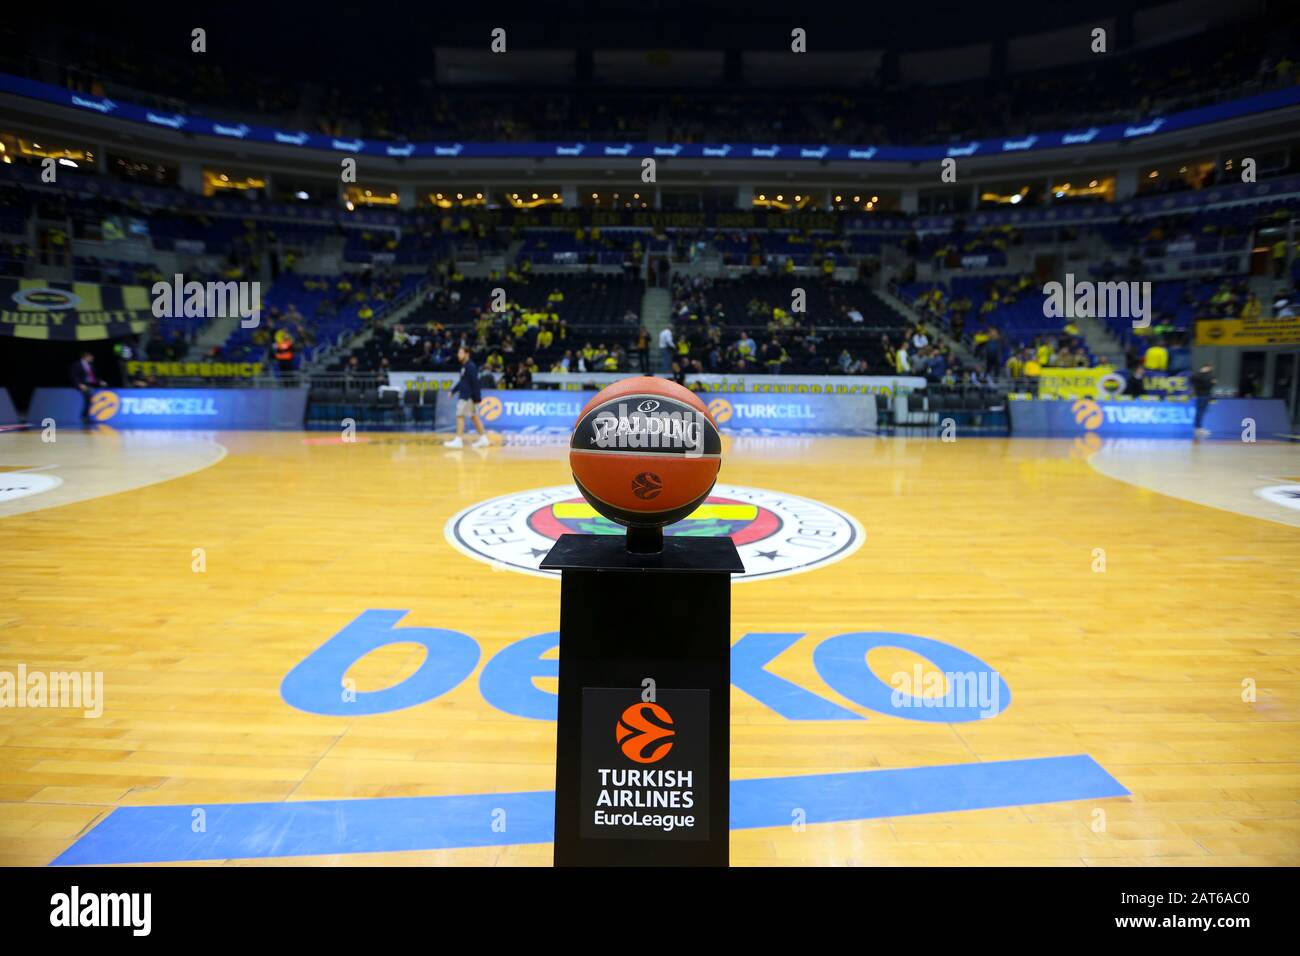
<point x="776" y="534"/>
<point x="645" y="732"/>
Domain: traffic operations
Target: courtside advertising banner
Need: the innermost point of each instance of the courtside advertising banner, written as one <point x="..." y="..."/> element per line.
<point x="203" y="408"/>
<point x="1225" y="418"/>
<point x="551" y="412"/>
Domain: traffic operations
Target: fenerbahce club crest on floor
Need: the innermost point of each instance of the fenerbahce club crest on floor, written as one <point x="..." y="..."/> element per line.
<point x="776" y="533"/>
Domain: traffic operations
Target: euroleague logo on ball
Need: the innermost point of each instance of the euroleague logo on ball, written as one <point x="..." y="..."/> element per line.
<point x="647" y="485"/>
<point x="645" y="732"/>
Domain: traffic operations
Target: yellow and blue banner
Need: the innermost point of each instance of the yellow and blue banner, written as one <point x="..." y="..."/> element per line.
<point x="71" y="311"/>
<point x="1264" y="330"/>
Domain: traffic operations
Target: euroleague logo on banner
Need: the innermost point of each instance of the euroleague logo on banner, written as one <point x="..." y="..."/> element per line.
<point x="644" y="732"/>
<point x="776" y="534"/>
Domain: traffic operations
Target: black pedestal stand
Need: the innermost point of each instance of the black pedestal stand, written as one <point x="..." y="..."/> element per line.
<point x="642" y="769"/>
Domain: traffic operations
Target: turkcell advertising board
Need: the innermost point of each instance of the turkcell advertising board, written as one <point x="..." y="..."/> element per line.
<point x="203" y="408"/>
<point x="555" y="412"/>
<point x="1227" y="417"/>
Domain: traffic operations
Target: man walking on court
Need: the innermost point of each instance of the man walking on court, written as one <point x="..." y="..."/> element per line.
<point x="468" y="396"/>
<point x="86" y="381"/>
<point x="1203" y="387"/>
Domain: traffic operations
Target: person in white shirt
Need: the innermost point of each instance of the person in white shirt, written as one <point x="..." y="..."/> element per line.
<point x="668" y="346"/>
<point x="919" y="340"/>
<point x="855" y="316"/>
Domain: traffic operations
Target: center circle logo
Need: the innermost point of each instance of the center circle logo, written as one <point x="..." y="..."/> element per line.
<point x="21" y="484"/>
<point x="777" y="534"/>
<point x="645" y="732"/>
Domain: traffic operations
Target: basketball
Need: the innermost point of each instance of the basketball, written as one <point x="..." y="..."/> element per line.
<point x="645" y="452"/>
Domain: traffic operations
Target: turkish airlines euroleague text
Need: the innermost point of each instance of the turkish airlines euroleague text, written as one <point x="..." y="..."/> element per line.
<point x="645" y="789"/>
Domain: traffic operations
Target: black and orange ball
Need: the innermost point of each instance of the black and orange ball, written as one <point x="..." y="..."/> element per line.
<point x="645" y="452"/>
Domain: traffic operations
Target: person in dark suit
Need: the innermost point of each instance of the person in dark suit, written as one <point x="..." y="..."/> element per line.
<point x="1202" y="382"/>
<point x="86" y="381"/>
<point x="1135" y="386"/>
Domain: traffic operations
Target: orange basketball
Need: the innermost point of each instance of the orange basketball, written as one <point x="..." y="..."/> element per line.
<point x="645" y="452"/>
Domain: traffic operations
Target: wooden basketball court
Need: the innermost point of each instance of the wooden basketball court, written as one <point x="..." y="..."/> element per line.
<point x="1138" y="603"/>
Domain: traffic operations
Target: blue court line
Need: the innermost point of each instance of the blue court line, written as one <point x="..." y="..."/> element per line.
<point x="239" y="831"/>
<point x="870" y="794"/>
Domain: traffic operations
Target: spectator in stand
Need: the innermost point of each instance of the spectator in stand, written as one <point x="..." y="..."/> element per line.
<point x="643" y="350"/>
<point x="902" y="365"/>
<point x="815" y="362"/>
<point x="1157" y="357"/>
<point x="993" y="349"/>
<point x="1251" y="308"/>
<point x="1135" y="386"/>
<point x="284" y="351"/>
<point x="668" y="346"/>
<point x="774" y="356"/>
